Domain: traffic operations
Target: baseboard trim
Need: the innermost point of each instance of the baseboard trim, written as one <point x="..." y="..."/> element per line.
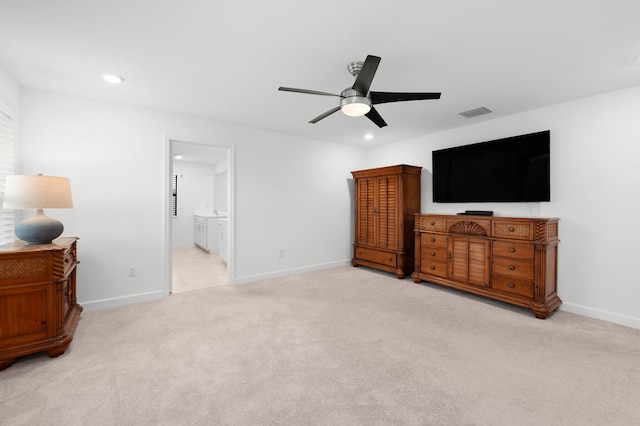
<point x="613" y="317"/>
<point x="94" y="305"/>
<point x="285" y="272"/>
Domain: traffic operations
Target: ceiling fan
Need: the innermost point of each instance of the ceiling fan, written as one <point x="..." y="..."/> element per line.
<point x="357" y="100"/>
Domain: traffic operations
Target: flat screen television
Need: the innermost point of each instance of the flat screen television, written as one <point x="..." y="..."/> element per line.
<point x="514" y="169"/>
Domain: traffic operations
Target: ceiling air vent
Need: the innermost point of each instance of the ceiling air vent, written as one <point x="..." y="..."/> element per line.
<point x="475" y="112"/>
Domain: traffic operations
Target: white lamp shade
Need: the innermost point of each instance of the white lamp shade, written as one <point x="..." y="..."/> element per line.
<point x="37" y="192"/>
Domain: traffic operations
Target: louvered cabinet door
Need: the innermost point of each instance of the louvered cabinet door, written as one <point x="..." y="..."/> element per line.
<point x="366" y="229"/>
<point x="469" y="260"/>
<point x="387" y="213"/>
<point x="377" y="212"/>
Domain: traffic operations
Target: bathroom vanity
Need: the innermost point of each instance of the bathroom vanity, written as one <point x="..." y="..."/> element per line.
<point x="206" y="230"/>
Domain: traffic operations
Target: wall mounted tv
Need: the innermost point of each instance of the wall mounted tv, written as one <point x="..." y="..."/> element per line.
<point x="514" y="169"/>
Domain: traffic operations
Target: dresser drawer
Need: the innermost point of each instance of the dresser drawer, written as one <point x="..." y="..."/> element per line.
<point x="69" y="259"/>
<point x="513" y="250"/>
<point x="512" y="268"/>
<point x="512" y="285"/>
<point x="376" y="256"/>
<point x="428" y="266"/>
<point x="433" y="240"/>
<point x="514" y="230"/>
<point x="434" y="254"/>
<point x="428" y="223"/>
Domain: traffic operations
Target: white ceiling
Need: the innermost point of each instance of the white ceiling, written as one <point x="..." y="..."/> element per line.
<point x="198" y="153"/>
<point x="225" y="59"/>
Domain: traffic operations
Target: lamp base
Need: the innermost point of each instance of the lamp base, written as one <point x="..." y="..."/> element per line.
<point x="39" y="229"/>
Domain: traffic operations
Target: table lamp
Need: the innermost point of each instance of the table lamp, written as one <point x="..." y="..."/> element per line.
<point x="37" y="192"/>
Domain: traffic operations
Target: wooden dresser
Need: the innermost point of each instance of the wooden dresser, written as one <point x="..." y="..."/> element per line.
<point x="513" y="260"/>
<point x="38" y="309"/>
<point x="387" y="198"/>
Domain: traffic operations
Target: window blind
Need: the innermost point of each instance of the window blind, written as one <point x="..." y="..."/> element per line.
<point x="6" y="168"/>
<point x="174" y="195"/>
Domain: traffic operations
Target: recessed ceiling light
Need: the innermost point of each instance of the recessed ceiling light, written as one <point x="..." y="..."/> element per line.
<point x="112" y="78"/>
<point x="368" y="136"/>
<point x="178" y="156"/>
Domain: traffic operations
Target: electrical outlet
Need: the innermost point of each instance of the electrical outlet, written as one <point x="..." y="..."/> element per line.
<point x="133" y="270"/>
<point x="281" y="253"/>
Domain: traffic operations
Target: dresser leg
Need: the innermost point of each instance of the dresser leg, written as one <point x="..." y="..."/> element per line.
<point x="543" y="310"/>
<point x="5" y="363"/>
<point x="53" y="353"/>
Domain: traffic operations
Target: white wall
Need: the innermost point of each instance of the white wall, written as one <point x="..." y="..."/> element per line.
<point x="220" y="183"/>
<point x="291" y="193"/>
<point x="303" y="206"/>
<point x="195" y="192"/>
<point x="298" y="200"/>
<point x="595" y="181"/>
<point x="9" y="90"/>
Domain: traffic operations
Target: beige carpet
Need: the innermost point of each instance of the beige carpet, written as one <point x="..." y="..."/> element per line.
<point x="347" y="346"/>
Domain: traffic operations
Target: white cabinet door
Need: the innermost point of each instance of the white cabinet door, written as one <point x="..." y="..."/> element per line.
<point x="205" y="233"/>
<point x="212" y="235"/>
<point x="200" y="232"/>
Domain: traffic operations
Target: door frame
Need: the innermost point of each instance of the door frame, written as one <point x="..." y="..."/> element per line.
<point x="168" y="219"/>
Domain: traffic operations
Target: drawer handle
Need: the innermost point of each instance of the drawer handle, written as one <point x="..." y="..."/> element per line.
<point x="433" y="240"/>
<point x="390" y="259"/>
<point x="511" y="249"/>
<point x="432" y="223"/>
<point x="433" y="253"/>
<point x="432" y="267"/>
<point x="511" y="229"/>
<point x="511" y="267"/>
<point x="510" y="285"/>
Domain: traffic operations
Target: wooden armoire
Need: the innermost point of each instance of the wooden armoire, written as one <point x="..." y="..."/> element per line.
<point x="386" y="200"/>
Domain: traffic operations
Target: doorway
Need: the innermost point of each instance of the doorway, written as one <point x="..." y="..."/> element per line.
<point x="199" y="216"/>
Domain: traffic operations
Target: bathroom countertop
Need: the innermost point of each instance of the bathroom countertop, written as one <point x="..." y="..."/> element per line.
<point x="201" y="213"/>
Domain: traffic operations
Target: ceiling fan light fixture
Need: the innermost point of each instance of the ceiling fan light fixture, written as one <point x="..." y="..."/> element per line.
<point x="356" y="109"/>
<point x="353" y="104"/>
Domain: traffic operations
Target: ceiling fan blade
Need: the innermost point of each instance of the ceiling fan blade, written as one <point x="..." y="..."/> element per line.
<point x="385" y="97"/>
<point x="375" y="117"/>
<point x="325" y="115"/>
<point x="309" y="92"/>
<point x="364" y="79"/>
